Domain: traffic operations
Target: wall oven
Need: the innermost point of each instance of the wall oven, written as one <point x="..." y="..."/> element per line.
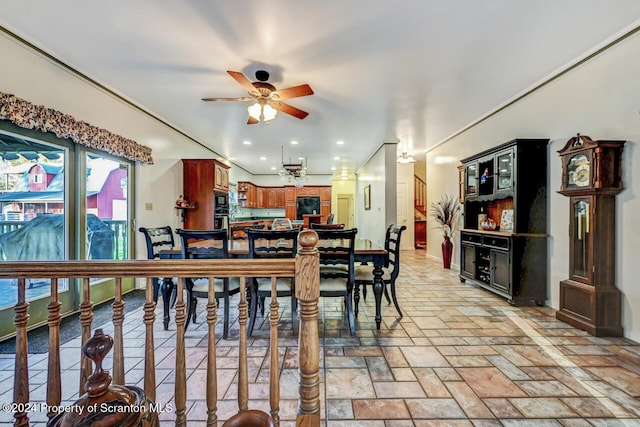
<point x="220" y="210"/>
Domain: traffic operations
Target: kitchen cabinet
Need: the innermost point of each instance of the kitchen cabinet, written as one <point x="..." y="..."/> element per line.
<point x="247" y="194"/>
<point x="508" y="185"/>
<point x="275" y="198"/>
<point x="261" y="199"/>
<point x="255" y="196"/>
<point x="221" y="177"/>
<point x="200" y="178"/>
<point x="280" y="198"/>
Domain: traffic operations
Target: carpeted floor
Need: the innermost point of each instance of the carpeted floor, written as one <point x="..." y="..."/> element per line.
<point x="70" y="327"/>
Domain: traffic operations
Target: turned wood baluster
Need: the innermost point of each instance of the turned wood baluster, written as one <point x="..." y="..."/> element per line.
<point x="54" y="387"/>
<point x="21" y="370"/>
<point x="86" y="317"/>
<point x="308" y="294"/>
<point x="181" y="366"/>
<point x="212" y="380"/>
<point x="149" y="350"/>
<point x="243" y="369"/>
<point x="118" y="350"/>
<point x="274" y="369"/>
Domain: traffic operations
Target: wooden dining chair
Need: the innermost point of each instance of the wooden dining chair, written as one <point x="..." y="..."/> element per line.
<point x="207" y="244"/>
<point x="364" y="273"/>
<point x="157" y="239"/>
<point x="337" y="272"/>
<point x="272" y="244"/>
<point x="318" y="226"/>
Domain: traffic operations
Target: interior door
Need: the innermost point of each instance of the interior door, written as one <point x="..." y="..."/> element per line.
<point x="345" y="211"/>
<point x="403" y="217"/>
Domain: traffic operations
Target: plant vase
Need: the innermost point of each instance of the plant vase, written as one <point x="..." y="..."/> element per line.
<point x="447" y="252"/>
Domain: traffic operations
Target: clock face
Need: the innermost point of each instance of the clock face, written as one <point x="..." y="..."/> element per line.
<point x="578" y="171"/>
<point x="581" y="176"/>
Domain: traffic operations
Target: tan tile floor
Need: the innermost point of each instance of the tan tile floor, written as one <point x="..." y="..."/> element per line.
<point x="459" y="357"/>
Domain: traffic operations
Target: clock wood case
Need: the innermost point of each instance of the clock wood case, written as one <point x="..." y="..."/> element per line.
<point x="592" y="176"/>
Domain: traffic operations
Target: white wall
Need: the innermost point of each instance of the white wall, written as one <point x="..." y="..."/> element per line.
<point x="380" y="173"/>
<point x="601" y="99"/>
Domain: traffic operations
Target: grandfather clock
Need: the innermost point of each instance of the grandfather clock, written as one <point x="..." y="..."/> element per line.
<point x="591" y="178"/>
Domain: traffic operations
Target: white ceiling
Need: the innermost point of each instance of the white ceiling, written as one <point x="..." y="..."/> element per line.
<point x="413" y="71"/>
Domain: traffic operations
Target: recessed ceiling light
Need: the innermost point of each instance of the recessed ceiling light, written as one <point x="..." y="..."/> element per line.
<point x="273" y="168"/>
<point x="263" y="158"/>
<point x="294" y="142"/>
<point x="340" y="142"/>
<point x="336" y="158"/>
<point x="246" y="142"/>
<point x="333" y="168"/>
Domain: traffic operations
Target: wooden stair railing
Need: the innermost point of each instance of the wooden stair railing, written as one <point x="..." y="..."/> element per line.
<point x="420" y="195"/>
<point x="305" y="268"/>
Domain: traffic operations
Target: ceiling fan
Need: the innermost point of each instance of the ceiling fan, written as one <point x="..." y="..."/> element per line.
<point x="268" y="98"/>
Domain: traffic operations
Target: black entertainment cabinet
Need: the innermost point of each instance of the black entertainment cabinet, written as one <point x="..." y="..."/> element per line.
<point x="507" y="184"/>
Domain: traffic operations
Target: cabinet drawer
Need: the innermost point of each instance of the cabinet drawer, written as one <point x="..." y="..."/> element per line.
<point x="496" y="242"/>
<point x="474" y="239"/>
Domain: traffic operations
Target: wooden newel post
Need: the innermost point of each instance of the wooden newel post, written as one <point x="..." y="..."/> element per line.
<point x="308" y="294"/>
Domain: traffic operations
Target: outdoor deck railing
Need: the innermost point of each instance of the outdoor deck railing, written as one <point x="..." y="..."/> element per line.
<point x="305" y="269"/>
<point x="119" y="228"/>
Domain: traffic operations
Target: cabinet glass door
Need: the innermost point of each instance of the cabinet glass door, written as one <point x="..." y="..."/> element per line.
<point x="471" y="179"/>
<point x="580" y="239"/>
<point x="505" y="171"/>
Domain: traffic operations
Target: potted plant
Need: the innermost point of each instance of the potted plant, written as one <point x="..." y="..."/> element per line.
<point x="446" y="213"/>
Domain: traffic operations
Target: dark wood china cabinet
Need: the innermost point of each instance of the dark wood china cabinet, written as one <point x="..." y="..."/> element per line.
<point x="591" y="178"/>
<point x="506" y="184"/>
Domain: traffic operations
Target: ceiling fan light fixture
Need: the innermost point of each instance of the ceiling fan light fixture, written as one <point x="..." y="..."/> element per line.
<point x="255" y="111"/>
<point x="262" y="111"/>
<point x="269" y="113"/>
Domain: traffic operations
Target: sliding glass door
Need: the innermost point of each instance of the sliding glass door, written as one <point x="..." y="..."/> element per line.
<point x="106" y="215"/>
<point x="59" y="201"/>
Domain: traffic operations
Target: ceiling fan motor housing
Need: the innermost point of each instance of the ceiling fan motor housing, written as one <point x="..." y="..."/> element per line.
<point x="262" y="75"/>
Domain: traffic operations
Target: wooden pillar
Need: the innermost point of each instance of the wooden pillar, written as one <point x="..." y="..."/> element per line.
<point x="274" y="365"/>
<point x="54" y="387"/>
<point x="308" y="294"/>
<point x="86" y="318"/>
<point x="181" y="366"/>
<point x="212" y="379"/>
<point x="149" y="319"/>
<point x="243" y="369"/>
<point x="21" y="371"/>
<point x="118" y="347"/>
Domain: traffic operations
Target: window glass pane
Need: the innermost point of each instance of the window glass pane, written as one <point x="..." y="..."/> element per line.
<point x="32" y="209"/>
<point x="107" y="208"/>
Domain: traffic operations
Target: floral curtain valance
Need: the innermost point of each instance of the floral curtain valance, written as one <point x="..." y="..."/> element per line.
<point x="27" y="115"/>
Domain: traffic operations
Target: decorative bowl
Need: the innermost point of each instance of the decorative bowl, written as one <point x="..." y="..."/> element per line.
<point x="488" y="224"/>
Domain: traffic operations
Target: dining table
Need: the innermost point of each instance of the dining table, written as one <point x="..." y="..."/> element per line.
<point x="365" y="251"/>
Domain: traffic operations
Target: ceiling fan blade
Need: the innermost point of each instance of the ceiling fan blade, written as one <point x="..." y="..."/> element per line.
<point x="244" y="82"/>
<point x="244" y="98"/>
<point x="292" y="92"/>
<point x="288" y="109"/>
<point x="252" y="121"/>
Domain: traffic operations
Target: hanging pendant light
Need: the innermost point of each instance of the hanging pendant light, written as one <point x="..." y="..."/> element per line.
<point x="406" y="158"/>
